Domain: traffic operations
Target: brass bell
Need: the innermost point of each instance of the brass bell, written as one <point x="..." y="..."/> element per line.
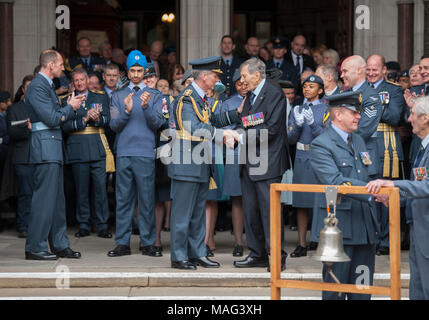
<point x="330" y="248"/>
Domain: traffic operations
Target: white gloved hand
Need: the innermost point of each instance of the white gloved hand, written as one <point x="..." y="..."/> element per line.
<point x="308" y="116"/>
<point x="299" y="117"/>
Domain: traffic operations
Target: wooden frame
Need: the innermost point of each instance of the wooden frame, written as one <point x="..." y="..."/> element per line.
<point x="394" y="291"/>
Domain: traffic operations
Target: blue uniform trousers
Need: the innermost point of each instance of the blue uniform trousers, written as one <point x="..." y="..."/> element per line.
<point x="83" y="174"/>
<point x="135" y="182"/>
<point x="352" y="272"/>
<point x="419" y="275"/>
<point x="188" y="220"/>
<point x="383" y="220"/>
<point x="48" y="217"/>
<point x="24" y="173"/>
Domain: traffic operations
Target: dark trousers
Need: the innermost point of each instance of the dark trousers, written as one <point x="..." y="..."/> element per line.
<point x="352" y="272"/>
<point x="188" y="220"/>
<point x="256" y="209"/>
<point x="135" y="180"/>
<point x="48" y="217"/>
<point x="83" y="174"/>
<point x="24" y="173"/>
<point x="419" y="266"/>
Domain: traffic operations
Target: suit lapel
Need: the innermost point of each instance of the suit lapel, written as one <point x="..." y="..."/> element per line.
<point x="259" y="98"/>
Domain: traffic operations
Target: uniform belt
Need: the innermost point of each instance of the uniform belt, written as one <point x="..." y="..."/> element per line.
<point x="110" y="160"/>
<point x="302" y="147"/>
<point x="39" y="126"/>
<point x="384" y="127"/>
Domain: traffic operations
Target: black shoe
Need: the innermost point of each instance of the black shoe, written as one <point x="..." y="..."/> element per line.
<point x="158" y="248"/>
<point x="22" y="234"/>
<point x="120" y="250"/>
<point x="82" y="233"/>
<point x="293" y="228"/>
<point x="299" y="252"/>
<point x="205" y="262"/>
<point x="135" y="231"/>
<point x="165" y="229"/>
<point x="405" y="245"/>
<point x="45" y="255"/>
<point x="238" y="251"/>
<point x="68" y="253"/>
<point x="105" y="234"/>
<point x="283" y="266"/>
<point x="382" y="251"/>
<point x="251" y="262"/>
<point x="184" y="265"/>
<point x="151" y="251"/>
<point x="209" y="252"/>
<point x="312" y="246"/>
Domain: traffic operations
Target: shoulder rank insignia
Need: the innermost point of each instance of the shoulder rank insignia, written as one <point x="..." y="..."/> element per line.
<point x="326" y="117"/>
<point x="384" y="97"/>
<point x="98" y="91"/>
<point x="187" y="93"/>
<point x="360" y="98"/>
<point x="394" y="83"/>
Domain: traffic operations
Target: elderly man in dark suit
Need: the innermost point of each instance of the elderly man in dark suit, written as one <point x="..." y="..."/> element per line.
<point x="416" y="193"/>
<point x="339" y="156"/>
<point x="47" y="217"/>
<point x="264" y="124"/>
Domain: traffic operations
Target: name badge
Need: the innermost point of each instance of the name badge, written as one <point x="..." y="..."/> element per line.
<point x="384" y="97"/>
<point x="366" y="159"/>
<point x="253" y="120"/>
<point x="420" y="173"/>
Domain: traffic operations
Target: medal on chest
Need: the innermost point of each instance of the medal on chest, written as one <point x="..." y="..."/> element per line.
<point x="366" y="159"/>
<point x="420" y="173"/>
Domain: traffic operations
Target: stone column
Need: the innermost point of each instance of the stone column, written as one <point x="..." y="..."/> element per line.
<point x="382" y="36"/>
<point x="6" y="47"/>
<point x="33" y="31"/>
<point x="405" y="33"/>
<point x="202" y="25"/>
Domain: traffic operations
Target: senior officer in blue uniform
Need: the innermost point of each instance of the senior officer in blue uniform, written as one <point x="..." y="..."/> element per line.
<point x="289" y="72"/>
<point x="389" y="145"/>
<point x="84" y="59"/>
<point x="416" y="193"/>
<point x="190" y="174"/>
<point x="135" y="159"/>
<point x="88" y="153"/>
<point x="339" y="156"/>
<point x="47" y="217"/>
<point x="306" y="122"/>
<point x="353" y="72"/>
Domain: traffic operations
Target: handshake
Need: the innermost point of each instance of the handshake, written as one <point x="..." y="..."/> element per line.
<point x="230" y="137"/>
<point x="306" y="115"/>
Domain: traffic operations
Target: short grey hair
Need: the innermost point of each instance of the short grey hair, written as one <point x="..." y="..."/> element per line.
<point x="196" y="74"/>
<point x="421" y="106"/>
<point x="48" y="56"/>
<point x="332" y="54"/>
<point x="79" y="71"/>
<point x="327" y="70"/>
<point x="111" y="66"/>
<point x="255" y="65"/>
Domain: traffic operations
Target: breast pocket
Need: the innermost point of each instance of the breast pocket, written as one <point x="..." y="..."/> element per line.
<point x="345" y="165"/>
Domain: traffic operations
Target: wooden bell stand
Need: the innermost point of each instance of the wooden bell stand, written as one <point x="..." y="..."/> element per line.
<point x="394" y="290"/>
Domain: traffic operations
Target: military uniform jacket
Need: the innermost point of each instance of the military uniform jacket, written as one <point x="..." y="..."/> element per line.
<point x="271" y="102"/>
<point x="418" y="191"/>
<point x="46" y="146"/>
<point x="193" y="125"/>
<point x="19" y="134"/>
<point x="86" y="147"/>
<point x="289" y="72"/>
<point x="334" y="163"/>
<point x="228" y="73"/>
<point x="96" y="64"/>
<point x="368" y="124"/>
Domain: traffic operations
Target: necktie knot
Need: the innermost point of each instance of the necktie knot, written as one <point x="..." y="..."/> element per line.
<point x="136" y="88"/>
<point x="252" y="97"/>
<point x="227" y="63"/>
<point x="349" y="141"/>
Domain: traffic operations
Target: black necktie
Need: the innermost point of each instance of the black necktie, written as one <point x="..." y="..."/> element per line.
<point x="136" y="88"/>
<point x="372" y="86"/>
<point x="349" y="142"/>
<point x="427" y="91"/>
<point x="298" y="64"/>
<point x="278" y="65"/>
<point x="85" y="63"/>
<point x="252" y="97"/>
<point x="227" y="63"/>
<point x="310" y="105"/>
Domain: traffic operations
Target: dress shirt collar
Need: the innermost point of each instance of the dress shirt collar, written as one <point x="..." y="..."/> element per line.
<point x="425" y="141"/>
<point x="47" y="78"/>
<point x="258" y="89"/>
<point x="357" y="87"/>
<point x="141" y="85"/>
<point x="277" y="61"/>
<point x="228" y="59"/>
<point x="197" y="88"/>
<point x="344" y="135"/>
<point x="330" y="93"/>
<point x="376" y="84"/>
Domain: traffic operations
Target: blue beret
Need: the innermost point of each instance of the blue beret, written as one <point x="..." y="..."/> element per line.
<point x="351" y="100"/>
<point x="151" y="70"/>
<point x="314" y="79"/>
<point x="4" y="95"/>
<point x="136" y="57"/>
